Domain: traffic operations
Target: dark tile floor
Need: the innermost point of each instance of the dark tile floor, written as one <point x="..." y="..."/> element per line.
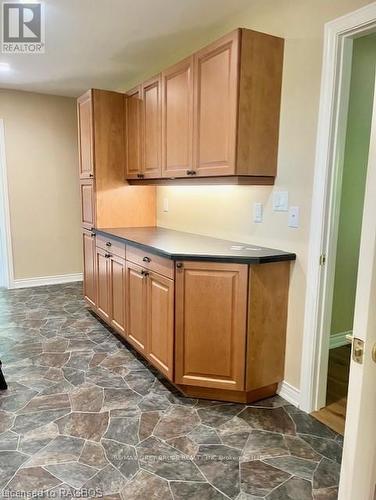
<point x="83" y="415"/>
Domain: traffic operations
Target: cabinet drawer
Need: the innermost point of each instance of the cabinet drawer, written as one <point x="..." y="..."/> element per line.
<point x="111" y="246"/>
<point x="151" y="261"/>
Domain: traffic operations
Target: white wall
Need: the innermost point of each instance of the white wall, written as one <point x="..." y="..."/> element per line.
<point x="42" y="167"/>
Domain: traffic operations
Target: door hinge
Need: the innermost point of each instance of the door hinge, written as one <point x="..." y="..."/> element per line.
<point x="323" y="259"/>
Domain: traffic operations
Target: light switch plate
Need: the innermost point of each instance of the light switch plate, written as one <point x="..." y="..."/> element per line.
<point x="280" y="201"/>
<point x="258" y="213"/>
<point x="294" y="217"/>
<point x="165" y="204"/>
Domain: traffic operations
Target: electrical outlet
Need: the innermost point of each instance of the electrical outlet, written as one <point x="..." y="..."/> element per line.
<point x="294" y="217"/>
<point x="258" y="213"/>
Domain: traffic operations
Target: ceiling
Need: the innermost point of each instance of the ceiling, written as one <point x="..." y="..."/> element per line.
<point x="110" y="43"/>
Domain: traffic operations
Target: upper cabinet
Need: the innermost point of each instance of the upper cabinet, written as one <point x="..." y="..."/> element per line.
<point x="214" y="114"/>
<point x="151" y="127"/>
<point x="85" y="135"/>
<point x="106" y="200"/>
<point x="177" y="119"/>
<point x="133" y="135"/>
<point x="215" y="107"/>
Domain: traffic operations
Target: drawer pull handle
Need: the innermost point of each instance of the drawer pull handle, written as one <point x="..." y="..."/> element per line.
<point x="191" y="172"/>
<point x="179" y="265"/>
<point x="91" y="175"/>
<point x="140" y="176"/>
<point x="107" y="255"/>
<point x="146" y="259"/>
<point x="108" y="244"/>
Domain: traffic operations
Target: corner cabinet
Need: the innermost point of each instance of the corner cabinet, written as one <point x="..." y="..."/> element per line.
<point x="219" y="111"/>
<point x="211" y="312"/>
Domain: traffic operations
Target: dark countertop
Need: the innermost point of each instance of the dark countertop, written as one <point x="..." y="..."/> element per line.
<point x="177" y="245"/>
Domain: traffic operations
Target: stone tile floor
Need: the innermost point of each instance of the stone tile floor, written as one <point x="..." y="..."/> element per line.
<point x="85" y="416"/>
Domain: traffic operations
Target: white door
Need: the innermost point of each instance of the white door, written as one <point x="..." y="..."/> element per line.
<point x="358" y="474"/>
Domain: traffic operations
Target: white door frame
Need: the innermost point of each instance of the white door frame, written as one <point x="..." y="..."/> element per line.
<point x="335" y="83"/>
<point x="5" y="235"/>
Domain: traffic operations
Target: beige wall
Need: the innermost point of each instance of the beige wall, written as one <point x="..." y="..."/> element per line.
<point x="41" y="153"/>
<point x="227" y="211"/>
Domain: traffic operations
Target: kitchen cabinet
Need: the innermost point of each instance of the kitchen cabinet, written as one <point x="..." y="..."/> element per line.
<point x="117" y="273"/>
<point x="136" y="292"/>
<point x="151" y="128"/>
<point x="89" y="254"/>
<point x="87" y="197"/>
<point x="220" y="113"/>
<point x="102" y="270"/>
<point x="133" y="134"/>
<point x="211" y="318"/>
<point x="105" y="197"/>
<point x="215" y="107"/>
<point x="177" y="119"/>
<point x="85" y="135"/>
<point x="212" y="322"/>
<point x="150" y="308"/>
<point x="160" y="323"/>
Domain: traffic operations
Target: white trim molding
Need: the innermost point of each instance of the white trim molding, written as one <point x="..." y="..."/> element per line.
<point x="6" y="235"/>
<point x="47" y="280"/>
<point x="339" y="339"/>
<point x="338" y="38"/>
<point x="289" y="393"/>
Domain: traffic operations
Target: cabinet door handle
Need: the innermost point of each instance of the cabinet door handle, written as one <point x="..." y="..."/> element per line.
<point x="179" y="265"/>
<point x="91" y="175"/>
<point x="191" y="172"/>
<point x="145" y="274"/>
<point x="107" y="255"/>
<point x="92" y="234"/>
<point x="140" y="176"/>
<point x="146" y="259"/>
<point x="108" y="244"/>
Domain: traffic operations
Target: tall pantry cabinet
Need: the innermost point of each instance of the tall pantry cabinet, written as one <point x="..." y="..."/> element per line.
<point x="106" y="200"/>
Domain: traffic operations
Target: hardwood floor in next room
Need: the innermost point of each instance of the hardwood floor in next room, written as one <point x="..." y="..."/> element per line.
<point x="334" y="413"/>
<point x="84" y="412"/>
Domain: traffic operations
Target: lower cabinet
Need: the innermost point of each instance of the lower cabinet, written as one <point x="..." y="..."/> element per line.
<point x="90" y="285"/>
<point x="160" y="323"/>
<point x="150" y="316"/>
<point x="117" y="272"/>
<point x="103" y="283"/>
<point x="211" y="321"/>
<point x="136" y="306"/>
<point x="216" y="330"/>
<point x="110" y="303"/>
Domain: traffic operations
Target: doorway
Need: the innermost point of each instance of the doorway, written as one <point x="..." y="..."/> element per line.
<point x="347" y="244"/>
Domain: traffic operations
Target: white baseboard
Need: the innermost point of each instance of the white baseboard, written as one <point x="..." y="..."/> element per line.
<point x="339" y="339"/>
<point x="289" y="393"/>
<point x="46" y="280"/>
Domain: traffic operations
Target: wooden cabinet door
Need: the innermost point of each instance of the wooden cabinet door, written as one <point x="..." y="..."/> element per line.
<point x="133" y="133"/>
<point x="160" y="323"/>
<point x="90" y="287"/>
<point x="210" y="335"/>
<point x="215" y="108"/>
<point x="85" y="135"/>
<point x="87" y="203"/>
<point x="151" y="126"/>
<point x="103" y="283"/>
<point x="117" y="293"/>
<point x="177" y="119"/>
<point x="136" y="291"/>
